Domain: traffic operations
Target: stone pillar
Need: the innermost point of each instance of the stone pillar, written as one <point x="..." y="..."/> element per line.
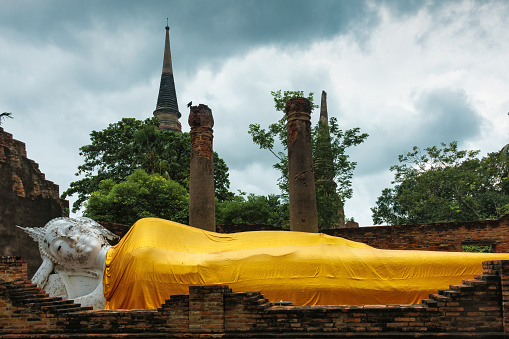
<point x="202" y="212"/>
<point x="301" y="179"/>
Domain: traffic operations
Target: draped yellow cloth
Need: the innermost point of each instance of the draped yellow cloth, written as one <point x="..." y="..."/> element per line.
<point x="158" y="258"/>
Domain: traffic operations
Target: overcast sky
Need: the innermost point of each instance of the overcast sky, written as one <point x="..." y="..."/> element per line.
<point x="406" y="72"/>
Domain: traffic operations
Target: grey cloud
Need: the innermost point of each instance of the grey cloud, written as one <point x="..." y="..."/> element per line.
<point x="472" y="22"/>
<point x="445" y="115"/>
<point x="203" y="31"/>
<point x="440" y="115"/>
<point x="411" y="7"/>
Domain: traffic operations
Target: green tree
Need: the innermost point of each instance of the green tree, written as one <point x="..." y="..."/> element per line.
<point x="444" y="184"/>
<point x="5" y="115"/>
<point x="141" y="195"/>
<point x="164" y="152"/>
<point x="477" y="248"/>
<point x="116" y="151"/>
<point x="333" y="182"/>
<point x="252" y="209"/>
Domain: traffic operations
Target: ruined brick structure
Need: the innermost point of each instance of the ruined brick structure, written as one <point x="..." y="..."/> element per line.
<point x="477" y="308"/>
<point x="201" y="181"/>
<point x="26" y="199"/>
<point x="445" y="236"/>
<point x="301" y="180"/>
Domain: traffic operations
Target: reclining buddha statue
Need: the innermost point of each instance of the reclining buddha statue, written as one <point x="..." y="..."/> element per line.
<point x="158" y="258"/>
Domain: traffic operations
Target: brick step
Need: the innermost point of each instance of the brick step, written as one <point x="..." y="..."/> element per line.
<point x="491" y="278"/>
<point x="263" y="301"/>
<point x="475" y="282"/>
<point x="451" y="294"/>
<point x="448" y="293"/>
<point x="35" y="298"/>
<point x="439" y="297"/>
<point x="77" y="309"/>
<point x="21" y="284"/>
<point x="57" y="307"/>
<point x="59" y="301"/>
<point x="429" y="303"/>
<point x="27" y="296"/>
<point x="462" y="288"/>
<point x="23" y="290"/>
<point x="68" y="310"/>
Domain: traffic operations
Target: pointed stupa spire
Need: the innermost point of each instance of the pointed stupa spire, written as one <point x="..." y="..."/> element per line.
<point x="324" y="116"/>
<point x="167" y="110"/>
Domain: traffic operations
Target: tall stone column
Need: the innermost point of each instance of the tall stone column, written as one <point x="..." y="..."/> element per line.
<point x="202" y="212"/>
<point x="301" y="179"/>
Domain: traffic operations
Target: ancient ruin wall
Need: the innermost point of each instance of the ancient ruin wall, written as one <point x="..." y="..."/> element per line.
<point x="447" y="236"/>
<point x="26" y="199"/>
<point x="477" y="308"/>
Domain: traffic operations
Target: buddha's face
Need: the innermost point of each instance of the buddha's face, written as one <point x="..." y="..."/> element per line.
<point x="72" y="245"/>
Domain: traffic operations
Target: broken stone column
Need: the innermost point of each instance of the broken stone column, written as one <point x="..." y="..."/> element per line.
<point x="301" y="179"/>
<point x="202" y="212"/>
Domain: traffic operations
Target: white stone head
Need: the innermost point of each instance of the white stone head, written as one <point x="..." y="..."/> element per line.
<point x="68" y="244"/>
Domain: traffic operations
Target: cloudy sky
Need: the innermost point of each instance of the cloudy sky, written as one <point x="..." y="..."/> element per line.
<point x="406" y="72"/>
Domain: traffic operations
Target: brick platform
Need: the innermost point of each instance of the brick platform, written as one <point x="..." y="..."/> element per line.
<point x="478" y="308"/>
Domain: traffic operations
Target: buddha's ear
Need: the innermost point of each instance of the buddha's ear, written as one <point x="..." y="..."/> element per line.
<point x="40" y="277"/>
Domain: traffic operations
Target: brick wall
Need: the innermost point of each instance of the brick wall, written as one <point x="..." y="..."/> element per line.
<point x="478" y="308"/>
<point x="448" y="236"/>
<point x="26" y="199"/>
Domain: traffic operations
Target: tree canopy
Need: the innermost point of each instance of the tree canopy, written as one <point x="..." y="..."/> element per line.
<point x="116" y="151"/>
<point x="139" y="196"/>
<point x="445" y="184"/>
<point x="253" y="209"/>
<point x="333" y="169"/>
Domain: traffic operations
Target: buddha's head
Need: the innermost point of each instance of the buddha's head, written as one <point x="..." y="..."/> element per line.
<point x="69" y="244"/>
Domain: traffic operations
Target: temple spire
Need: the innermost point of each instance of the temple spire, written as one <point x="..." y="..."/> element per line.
<point x="167" y="67"/>
<point x="324" y="116"/>
<point x="167" y="110"/>
<point x="330" y="206"/>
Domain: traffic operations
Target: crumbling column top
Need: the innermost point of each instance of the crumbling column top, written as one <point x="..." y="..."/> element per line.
<point x="201" y="116"/>
<point x="298" y="105"/>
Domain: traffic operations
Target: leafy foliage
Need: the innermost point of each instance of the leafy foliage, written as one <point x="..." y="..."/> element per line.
<point x="445" y="184"/>
<point x="253" y="209"/>
<point x="141" y="195"/>
<point x="122" y="147"/>
<point x="333" y="169"/>
<point x="477" y="248"/>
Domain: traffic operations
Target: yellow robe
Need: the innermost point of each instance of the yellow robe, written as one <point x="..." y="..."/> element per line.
<point x="158" y="258"/>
